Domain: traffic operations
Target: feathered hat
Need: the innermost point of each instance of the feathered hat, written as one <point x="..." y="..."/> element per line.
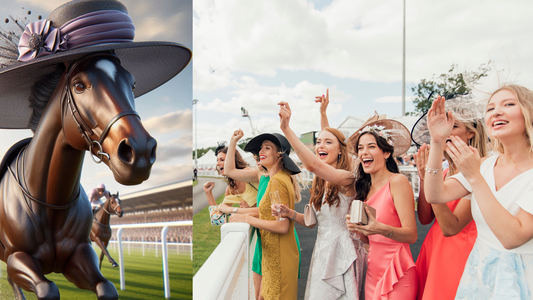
<point x="394" y="132"/>
<point x="71" y="31"/>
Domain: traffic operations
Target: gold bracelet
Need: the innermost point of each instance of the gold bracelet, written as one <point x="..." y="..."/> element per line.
<point x="299" y="149"/>
<point x="430" y="170"/>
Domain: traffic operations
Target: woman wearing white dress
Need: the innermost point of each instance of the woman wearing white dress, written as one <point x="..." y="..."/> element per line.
<point x="500" y="265"/>
<point x="338" y="265"/>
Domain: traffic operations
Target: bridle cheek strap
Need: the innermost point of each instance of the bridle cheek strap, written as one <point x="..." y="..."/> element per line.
<point x="86" y="131"/>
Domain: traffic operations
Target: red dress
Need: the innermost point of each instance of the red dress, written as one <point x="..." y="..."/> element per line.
<point x="391" y="272"/>
<point x="441" y="261"/>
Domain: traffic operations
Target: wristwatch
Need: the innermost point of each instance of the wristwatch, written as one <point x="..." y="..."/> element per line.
<point x="235" y="210"/>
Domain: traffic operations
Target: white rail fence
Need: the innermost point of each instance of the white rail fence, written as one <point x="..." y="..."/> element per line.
<point x="226" y="274"/>
<point x="164" y="248"/>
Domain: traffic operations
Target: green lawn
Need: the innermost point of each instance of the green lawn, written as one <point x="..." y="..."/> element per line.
<point x="144" y="278"/>
<point x="194" y="182"/>
<point x="205" y="238"/>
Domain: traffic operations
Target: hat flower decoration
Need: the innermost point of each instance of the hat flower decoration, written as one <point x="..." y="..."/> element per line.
<point x="381" y="131"/>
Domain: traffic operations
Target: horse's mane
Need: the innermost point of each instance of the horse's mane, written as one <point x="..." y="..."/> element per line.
<point x="41" y="92"/>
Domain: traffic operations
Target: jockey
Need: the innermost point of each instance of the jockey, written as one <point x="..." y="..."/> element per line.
<point x="95" y="196"/>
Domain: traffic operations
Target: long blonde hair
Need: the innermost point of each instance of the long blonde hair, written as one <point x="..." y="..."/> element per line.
<point x="294" y="178"/>
<point x="525" y="100"/>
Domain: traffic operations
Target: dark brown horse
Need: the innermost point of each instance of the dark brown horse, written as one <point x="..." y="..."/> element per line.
<point x="45" y="216"/>
<point x="101" y="231"/>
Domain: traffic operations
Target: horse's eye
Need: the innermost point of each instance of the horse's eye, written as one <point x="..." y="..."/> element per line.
<point x="79" y="87"/>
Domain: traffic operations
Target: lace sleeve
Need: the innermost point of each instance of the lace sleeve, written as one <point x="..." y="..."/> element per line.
<point x="281" y="188"/>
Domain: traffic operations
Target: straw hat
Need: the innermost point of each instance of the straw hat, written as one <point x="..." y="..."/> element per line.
<point x="394" y="132"/>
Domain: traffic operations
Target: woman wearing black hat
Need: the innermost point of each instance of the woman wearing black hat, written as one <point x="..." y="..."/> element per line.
<point x="251" y="175"/>
<point x="280" y="251"/>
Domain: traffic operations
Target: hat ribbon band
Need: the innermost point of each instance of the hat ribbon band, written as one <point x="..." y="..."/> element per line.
<point x="100" y="27"/>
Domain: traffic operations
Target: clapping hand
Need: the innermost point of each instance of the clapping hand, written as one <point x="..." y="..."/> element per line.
<point x="421" y="159"/>
<point x="440" y="122"/>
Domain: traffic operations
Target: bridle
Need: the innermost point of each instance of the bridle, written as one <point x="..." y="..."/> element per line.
<point x="67" y="101"/>
<point x="113" y="208"/>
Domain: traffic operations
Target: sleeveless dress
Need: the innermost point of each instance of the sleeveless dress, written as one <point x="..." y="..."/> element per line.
<point x="493" y="272"/>
<point x="249" y="195"/>
<point x="442" y="260"/>
<point x="338" y="265"/>
<point x="391" y="272"/>
<point x="258" y="252"/>
<point x="280" y="252"/>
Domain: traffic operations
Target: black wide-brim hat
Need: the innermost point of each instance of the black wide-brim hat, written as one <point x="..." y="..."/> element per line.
<point x="254" y="146"/>
<point x="151" y="63"/>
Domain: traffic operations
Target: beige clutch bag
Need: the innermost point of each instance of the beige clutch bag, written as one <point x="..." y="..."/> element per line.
<point x="309" y="215"/>
<point x="358" y="213"/>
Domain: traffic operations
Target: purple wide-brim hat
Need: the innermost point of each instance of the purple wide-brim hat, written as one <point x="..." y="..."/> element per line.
<point x="71" y="31"/>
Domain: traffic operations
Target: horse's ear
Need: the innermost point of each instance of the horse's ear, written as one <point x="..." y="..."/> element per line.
<point x="117" y="193"/>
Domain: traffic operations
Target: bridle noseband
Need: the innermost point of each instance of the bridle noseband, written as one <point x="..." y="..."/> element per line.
<point x="113" y="208"/>
<point x="86" y="132"/>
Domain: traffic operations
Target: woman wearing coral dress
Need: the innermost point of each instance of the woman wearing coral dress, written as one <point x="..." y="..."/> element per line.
<point x="448" y="243"/>
<point x="338" y="264"/>
<point x="280" y="251"/>
<point x="500" y="265"/>
<point x="391" y="270"/>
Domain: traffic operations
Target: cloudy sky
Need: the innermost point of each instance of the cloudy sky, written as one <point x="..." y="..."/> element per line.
<point x="166" y="112"/>
<point x="254" y="54"/>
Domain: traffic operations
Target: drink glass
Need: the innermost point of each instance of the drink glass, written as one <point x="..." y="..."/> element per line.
<point x="276" y="202"/>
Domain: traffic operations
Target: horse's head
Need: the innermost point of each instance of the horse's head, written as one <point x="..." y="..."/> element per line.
<point x="114" y="205"/>
<point x="98" y="113"/>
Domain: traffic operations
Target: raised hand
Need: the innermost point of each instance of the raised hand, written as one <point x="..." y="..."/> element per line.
<point x="421" y="159"/>
<point x="440" y="123"/>
<point x="284" y="115"/>
<point x="208" y="186"/>
<point x="237" y="135"/>
<point x="324" y="101"/>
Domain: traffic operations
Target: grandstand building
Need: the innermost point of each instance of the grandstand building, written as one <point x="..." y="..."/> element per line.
<point x="167" y="203"/>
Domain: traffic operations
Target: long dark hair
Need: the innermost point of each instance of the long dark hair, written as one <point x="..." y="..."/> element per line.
<point x="240" y="163"/>
<point x="364" y="181"/>
<point x="319" y="185"/>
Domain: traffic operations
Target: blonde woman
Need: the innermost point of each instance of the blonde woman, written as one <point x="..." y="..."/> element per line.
<point x="449" y="241"/>
<point x="280" y="252"/>
<point x="500" y="265"/>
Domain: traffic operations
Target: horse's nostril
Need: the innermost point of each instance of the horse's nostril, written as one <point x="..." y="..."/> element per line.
<point x="152" y="154"/>
<point x="125" y="152"/>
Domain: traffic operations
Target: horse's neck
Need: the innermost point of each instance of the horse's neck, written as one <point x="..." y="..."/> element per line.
<point x="52" y="168"/>
<point x="102" y="216"/>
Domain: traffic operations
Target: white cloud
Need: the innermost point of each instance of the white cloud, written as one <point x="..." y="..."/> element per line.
<point x="393" y="99"/>
<point x="177" y="120"/>
<point x="353" y="39"/>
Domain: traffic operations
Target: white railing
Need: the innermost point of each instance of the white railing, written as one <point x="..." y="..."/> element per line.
<point x="164" y="248"/>
<point x="225" y="274"/>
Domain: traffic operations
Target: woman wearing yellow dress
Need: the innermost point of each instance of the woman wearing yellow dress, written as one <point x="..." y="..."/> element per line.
<point x="280" y="251"/>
